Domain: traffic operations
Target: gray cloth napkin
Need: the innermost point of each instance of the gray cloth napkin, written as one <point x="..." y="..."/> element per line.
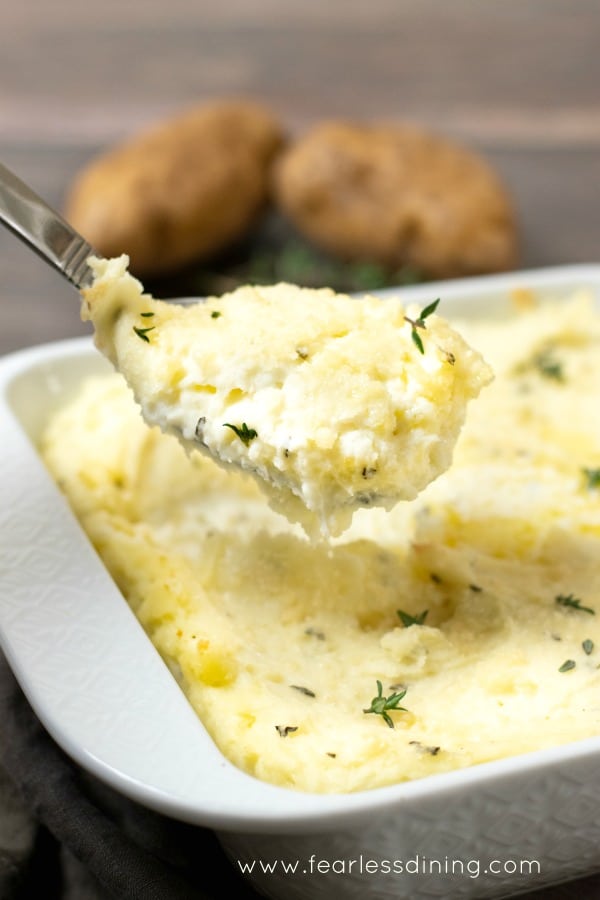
<point x="66" y="836"/>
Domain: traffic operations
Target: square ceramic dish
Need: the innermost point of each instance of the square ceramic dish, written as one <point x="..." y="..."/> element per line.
<point x="104" y="694"/>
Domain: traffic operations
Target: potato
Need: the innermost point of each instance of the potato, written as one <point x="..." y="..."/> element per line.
<point x="397" y="195"/>
<point x="180" y="191"/>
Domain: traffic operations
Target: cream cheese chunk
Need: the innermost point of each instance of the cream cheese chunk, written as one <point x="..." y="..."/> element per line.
<point x="332" y="403"/>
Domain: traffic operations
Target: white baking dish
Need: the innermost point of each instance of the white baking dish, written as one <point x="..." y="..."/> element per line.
<point x="104" y="694"/>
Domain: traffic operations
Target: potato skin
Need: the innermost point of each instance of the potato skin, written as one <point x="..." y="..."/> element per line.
<point x="180" y="191"/>
<point x="396" y="195"/>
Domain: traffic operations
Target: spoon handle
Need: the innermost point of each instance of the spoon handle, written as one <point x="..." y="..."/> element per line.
<point x="44" y="230"/>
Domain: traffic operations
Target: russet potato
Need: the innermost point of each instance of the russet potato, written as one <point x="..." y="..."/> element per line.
<point x="180" y="191"/>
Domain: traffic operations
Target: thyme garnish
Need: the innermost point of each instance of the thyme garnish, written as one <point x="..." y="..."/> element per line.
<point x="432" y="750"/>
<point x="199" y="431"/>
<point x="284" y="730"/>
<point x="419" y="322"/>
<point x="548" y="366"/>
<point x="380" y="705"/>
<point x="567" y="665"/>
<point x="592" y="478"/>
<point x="408" y="620"/>
<point x="314" y="632"/>
<point x="588" y="646"/>
<point x="303" y="690"/>
<point x="146" y="315"/>
<point x="574" y="603"/>
<point x="244" y="433"/>
<point x="143" y="332"/>
<point x="215" y="314"/>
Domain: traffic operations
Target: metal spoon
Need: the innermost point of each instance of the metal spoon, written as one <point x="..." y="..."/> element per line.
<point x="44" y="230"/>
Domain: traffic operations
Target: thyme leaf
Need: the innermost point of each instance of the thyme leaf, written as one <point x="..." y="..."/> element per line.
<point x="244" y="433"/>
<point x="408" y="620"/>
<point x="416" y="339"/>
<point x="567" y="665"/>
<point x="284" y="730"/>
<point x="313" y="632"/>
<point x="574" y="603"/>
<point x="592" y="478"/>
<point x="427" y="311"/>
<point x="199" y="431"/>
<point x="432" y="750"/>
<point x="303" y="690"/>
<point x="380" y="705"/>
<point x="143" y="332"/>
<point x="548" y="366"/>
<point x="588" y="646"/>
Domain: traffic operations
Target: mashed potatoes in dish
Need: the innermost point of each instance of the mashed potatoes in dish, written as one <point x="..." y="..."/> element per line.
<point x="458" y="628"/>
<point x="331" y="403"/>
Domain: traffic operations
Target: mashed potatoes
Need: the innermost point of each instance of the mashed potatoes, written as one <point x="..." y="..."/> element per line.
<point x="332" y="404"/>
<point x="476" y="608"/>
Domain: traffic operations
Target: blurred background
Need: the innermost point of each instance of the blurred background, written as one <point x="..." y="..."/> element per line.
<point x="516" y="81"/>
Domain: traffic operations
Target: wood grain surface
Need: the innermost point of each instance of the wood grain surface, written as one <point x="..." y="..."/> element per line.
<point x="518" y="80"/>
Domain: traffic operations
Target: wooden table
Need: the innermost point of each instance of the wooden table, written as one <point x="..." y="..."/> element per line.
<point x="518" y="80"/>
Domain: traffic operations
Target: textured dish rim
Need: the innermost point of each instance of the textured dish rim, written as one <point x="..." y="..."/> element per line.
<point x="159" y="754"/>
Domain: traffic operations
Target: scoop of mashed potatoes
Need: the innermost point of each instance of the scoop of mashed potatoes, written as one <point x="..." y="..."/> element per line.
<point x="332" y="403"/>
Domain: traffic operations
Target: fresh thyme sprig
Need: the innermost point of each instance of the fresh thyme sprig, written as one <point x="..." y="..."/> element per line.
<point x="244" y="433"/>
<point x="574" y="603"/>
<point x="380" y="705"/>
<point x="419" y="322"/>
<point x="408" y="620"/>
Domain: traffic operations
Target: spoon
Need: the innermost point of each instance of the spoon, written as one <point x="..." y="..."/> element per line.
<point x="44" y="230"/>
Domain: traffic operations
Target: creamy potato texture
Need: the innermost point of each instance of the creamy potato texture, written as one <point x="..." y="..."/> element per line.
<point x="332" y="403"/>
<point x="478" y="604"/>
